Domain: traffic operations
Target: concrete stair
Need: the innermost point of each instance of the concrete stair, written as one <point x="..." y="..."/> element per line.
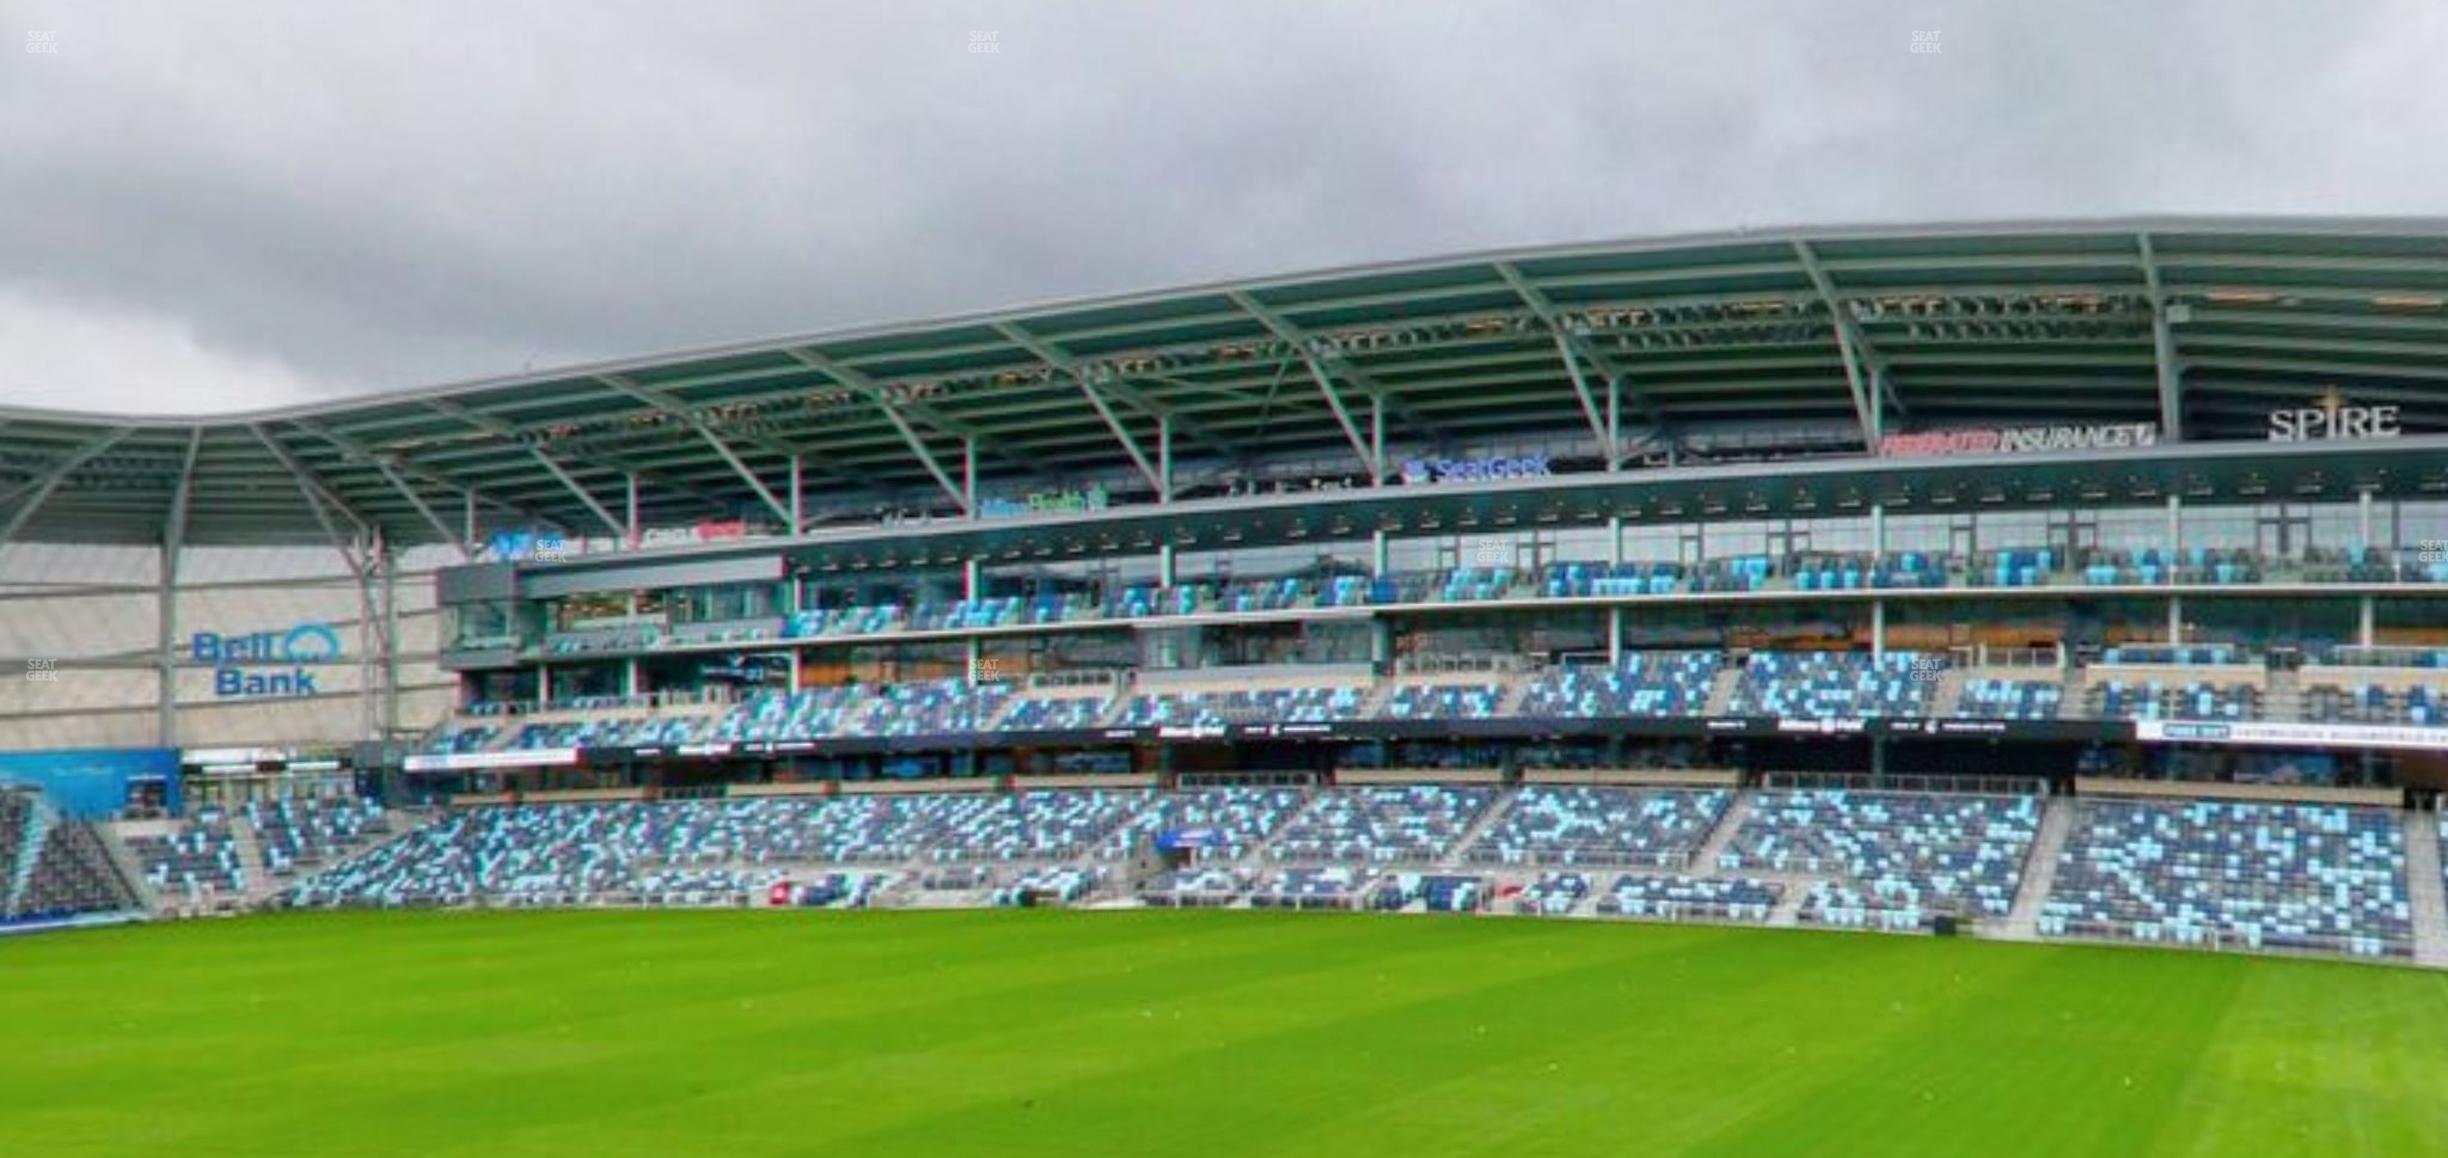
<point x="1721" y="692"/>
<point x="2039" y="870"/>
<point x="259" y="882"/>
<point x="2424" y="888"/>
<point x="1488" y="819"/>
<point x="1704" y="861"/>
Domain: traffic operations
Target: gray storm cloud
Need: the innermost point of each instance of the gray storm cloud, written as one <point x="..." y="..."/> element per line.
<point x="243" y="204"/>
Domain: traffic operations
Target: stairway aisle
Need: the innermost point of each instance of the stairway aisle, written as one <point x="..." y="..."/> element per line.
<point x="1704" y="862"/>
<point x="2424" y="888"/>
<point x="2040" y="869"/>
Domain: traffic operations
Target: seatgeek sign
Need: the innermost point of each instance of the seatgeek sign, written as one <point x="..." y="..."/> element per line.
<point x="266" y="664"/>
<point x="1416" y="471"/>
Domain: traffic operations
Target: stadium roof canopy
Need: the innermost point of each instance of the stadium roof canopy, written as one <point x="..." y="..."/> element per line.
<point x="2199" y="325"/>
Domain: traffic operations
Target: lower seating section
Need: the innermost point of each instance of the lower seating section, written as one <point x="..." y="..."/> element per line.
<point x="1925" y="853"/>
<point x="196" y="862"/>
<point x="1646" y="684"/>
<point x="2009" y="699"/>
<point x="1551" y="894"/>
<point x="1223" y="823"/>
<point x="1691" y="898"/>
<point x="837" y="890"/>
<point x="1574" y="825"/>
<point x="2315" y="878"/>
<point x="1837" y="685"/>
<point x="1061" y="886"/>
<point x="1205" y="888"/>
<point x="1445" y="701"/>
<point x="294" y="833"/>
<point x="1434" y="892"/>
<point x="1023" y="825"/>
<point x="564" y="854"/>
<point x="70" y="875"/>
<point x="2114" y="699"/>
<point x="1407" y="825"/>
<point x="1309" y="888"/>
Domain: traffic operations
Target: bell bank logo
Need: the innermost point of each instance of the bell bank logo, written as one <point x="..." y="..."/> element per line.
<point x="239" y="660"/>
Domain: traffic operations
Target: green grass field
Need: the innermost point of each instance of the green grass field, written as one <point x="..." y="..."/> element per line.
<point x="1077" y="1034"/>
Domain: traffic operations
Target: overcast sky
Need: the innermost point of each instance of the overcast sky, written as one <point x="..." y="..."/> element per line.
<point x="208" y="206"/>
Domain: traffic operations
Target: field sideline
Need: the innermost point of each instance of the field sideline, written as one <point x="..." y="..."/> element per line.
<point x="1086" y="1034"/>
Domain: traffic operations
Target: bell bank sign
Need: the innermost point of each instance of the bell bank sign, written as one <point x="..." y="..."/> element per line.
<point x="263" y="664"/>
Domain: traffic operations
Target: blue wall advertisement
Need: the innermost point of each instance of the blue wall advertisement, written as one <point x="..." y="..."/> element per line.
<point x="91" y="782"/>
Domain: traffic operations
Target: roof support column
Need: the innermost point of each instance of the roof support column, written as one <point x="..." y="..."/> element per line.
<point x="969" y="495"/>
<point x="1865" y="404"/>
<point x="51" y="479"/>
<point x="1377" y="454"/>
<point x="631" y="512"/>
<point x="1614" y="423"/>
<point x="2163" y="346"/>
<point x="1121" y="433"/>
<point x="1361" y="446"/>
<point x="1164" y="459"/>
<point x="619" y="533"/>
<point x="1601" y="426"/>
<point x="441" y="529"/>
<point x="798" y="498"/>
<point x="926" y="457"/>
<point x="165" y="597"/>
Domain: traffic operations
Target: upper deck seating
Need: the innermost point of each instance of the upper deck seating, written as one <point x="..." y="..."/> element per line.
<point x="1578" y="825"/>
<point x="2009" y="699"/>
<point x="1928" y="853"/>
<point x="1476" y="584"/>
<point x="931" y="708"/>
<point x="1215" y="706"/>
<point x="803" y="715"/>
<point x="1041" y="711"/>
<point x="1263" y="595"/>
<point x="2420" y="705"/>
<point x="1837" y="685"/>
<point x="1748" y="573"/>
<point x="2014" y="567"/>
<point x="1444" y="701"/>
<point x="462" y="736"/>
<point x="2150" y="699"/>
<point x="1910" y="569"/>
<point x="1648" y="684"/>
<point x="1610" y="580"/>
<point x="2317" y="878"/>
